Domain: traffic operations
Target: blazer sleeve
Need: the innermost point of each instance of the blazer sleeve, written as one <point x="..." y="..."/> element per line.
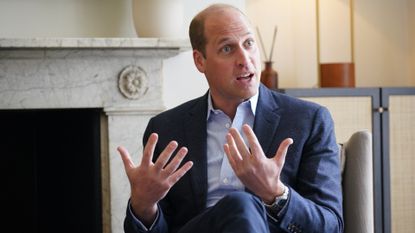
<point x="131" y="225"/>
<point x="315" y="204"/>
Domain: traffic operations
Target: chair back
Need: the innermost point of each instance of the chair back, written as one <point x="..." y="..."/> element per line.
<point x="357" y="182"/>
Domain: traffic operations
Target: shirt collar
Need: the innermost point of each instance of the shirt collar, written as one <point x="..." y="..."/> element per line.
<point x="253" y="103"/>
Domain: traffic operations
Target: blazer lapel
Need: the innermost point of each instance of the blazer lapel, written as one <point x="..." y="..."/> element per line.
<point x="266" y="119"/>
<point x="195" y="133"/>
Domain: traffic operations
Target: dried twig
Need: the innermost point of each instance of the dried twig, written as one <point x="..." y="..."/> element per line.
<point x="261" y="42"/>
<point x="273" y="43"/>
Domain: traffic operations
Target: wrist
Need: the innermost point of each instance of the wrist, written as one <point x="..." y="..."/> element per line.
<point x="145" y="213"/>
<point x="278" y="200"/>
<point x="279" y="192"/>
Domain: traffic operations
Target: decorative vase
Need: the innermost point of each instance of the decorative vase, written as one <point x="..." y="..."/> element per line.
<point x="269" y="76"/>
<point x="337" y="75"/>
<point x="158" y="18"/>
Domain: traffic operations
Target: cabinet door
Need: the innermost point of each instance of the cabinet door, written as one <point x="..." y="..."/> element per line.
<point x="399" y="147"/>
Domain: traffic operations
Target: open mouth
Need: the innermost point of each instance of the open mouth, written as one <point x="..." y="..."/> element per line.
<point x="245" y="77"/>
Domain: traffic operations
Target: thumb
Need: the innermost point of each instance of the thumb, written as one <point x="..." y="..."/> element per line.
<point x="282" y="151"/>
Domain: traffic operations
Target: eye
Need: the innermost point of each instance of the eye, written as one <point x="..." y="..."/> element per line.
<point x="249" y="43"/>
<point x="226" y="49"/>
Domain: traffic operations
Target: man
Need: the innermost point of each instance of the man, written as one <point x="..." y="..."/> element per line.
<point x="234" y="171"/>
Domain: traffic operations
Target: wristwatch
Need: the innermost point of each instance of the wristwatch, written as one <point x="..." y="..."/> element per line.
<point x="279" y="202"/>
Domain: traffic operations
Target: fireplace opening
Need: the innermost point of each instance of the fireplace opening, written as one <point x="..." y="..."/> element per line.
<point x="50" y="161"/>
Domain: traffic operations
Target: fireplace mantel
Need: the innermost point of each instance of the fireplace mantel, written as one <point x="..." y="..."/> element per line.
<point x="123" y="76"/>
<point x="84" y="72"/>
<point x="88" y="43"/>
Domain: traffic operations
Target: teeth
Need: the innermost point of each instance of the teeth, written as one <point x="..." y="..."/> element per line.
<point x="245" y="76"/>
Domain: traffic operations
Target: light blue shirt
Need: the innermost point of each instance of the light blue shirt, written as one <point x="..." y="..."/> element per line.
<point x="221" y="178"/>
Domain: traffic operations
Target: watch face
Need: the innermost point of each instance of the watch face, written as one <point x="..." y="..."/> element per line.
<point x="274" y="209"/>
<point x="280" y="202"/>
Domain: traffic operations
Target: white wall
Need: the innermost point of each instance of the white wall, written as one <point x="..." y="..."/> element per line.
<point x="80" y="18"/>
<point x="384" y="40"/>
<point x="411" y="18"/>
<point x="60" y="18"/>
<point x="335" y="28"/>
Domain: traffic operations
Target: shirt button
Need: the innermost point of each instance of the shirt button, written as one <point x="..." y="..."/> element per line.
<point x="227" y="125"/>
<point x="225" y="181"/>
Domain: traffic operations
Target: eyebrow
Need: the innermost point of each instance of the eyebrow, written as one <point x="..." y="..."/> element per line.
<point x="226" y="39"/>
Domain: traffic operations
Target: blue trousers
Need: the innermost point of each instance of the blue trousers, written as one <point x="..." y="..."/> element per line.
<point x="238" y="212"/>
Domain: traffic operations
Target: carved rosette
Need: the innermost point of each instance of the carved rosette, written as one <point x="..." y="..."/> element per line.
<point x="133" y="82"/>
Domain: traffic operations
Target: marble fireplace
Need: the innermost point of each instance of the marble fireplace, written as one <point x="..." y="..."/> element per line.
<point x="121" y="77"/>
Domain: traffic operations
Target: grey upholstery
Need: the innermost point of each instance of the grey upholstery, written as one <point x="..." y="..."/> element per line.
<point x="357" y="168"/>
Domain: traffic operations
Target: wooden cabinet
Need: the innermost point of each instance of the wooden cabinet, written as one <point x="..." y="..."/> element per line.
<point x="389" y="113"/>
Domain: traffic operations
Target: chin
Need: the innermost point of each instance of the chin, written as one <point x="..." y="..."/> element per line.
<point x="248" y="93"/>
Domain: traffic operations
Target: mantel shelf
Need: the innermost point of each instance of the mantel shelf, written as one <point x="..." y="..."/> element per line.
<point x="101" y="43"/>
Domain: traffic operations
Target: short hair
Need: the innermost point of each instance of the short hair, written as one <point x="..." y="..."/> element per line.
<point x="197" y="26"/>
<point x="197" y="35"/>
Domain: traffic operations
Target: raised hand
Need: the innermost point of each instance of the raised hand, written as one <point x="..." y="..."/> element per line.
<point x="150" y="181"/>
<point x="257" y="172"/>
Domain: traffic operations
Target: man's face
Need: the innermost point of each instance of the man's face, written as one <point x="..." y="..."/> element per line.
<point x="232" y="62"/>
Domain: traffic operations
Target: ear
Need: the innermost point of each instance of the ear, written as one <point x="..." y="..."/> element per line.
<point x="199" y="60"/>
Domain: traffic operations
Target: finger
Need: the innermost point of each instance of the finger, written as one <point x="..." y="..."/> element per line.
<point x="232" y="149"/>
<point x="239" y="142"/>
<point x="228" y="155"/>
<point x="165" y="155"/>
<point x="282" y="151"/>
<point x="180" y="173"/>
<point x="256" y="149"/>
<point x="126" y="158"/>
<point x="232" y="160"/>
<point x="174" y="164"/>
<point x="149" y="149"/>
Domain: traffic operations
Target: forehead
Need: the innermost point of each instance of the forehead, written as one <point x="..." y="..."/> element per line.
<point x="226" y="23"/>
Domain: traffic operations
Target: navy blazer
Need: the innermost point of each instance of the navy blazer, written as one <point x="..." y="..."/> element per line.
<point x="311" y="169"/>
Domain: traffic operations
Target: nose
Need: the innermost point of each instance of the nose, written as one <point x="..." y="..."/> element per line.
<point x="242" y="58"/>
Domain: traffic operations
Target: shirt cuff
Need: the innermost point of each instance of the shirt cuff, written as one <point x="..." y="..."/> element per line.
<point x="138" y="222"/>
